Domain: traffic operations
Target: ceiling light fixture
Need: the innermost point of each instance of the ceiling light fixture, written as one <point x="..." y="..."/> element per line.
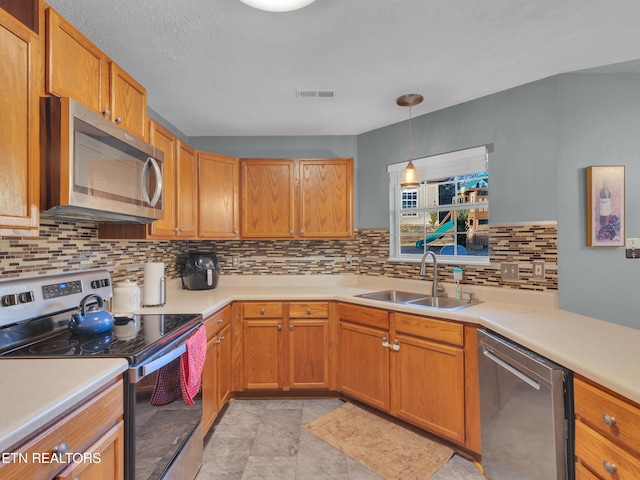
<point x="410" y="177"/>
<point x="278" y="5"/>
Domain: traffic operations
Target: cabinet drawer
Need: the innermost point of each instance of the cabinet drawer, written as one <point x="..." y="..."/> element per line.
<point x="216" y="322"/>
<point x="79" y="429"/>
<point x="438" y="330"/>
<point x="592" y="406"/>
<point x="263" y="310"/>
<point x="364" y="315"/>
<point x="582" y="473"/>
<point x="309" y="310"/>
<point x="599" y="454"/>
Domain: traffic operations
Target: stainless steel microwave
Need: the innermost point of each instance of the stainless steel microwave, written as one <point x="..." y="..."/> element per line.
<point x="93" y="170"/>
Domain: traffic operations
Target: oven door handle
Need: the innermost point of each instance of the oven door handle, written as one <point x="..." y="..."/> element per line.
<point x="156" y="364"/>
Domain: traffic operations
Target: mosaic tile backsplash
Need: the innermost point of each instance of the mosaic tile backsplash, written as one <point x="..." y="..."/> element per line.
<point x="64" y="246"/>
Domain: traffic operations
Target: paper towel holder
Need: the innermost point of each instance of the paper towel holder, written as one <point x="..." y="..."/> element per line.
<point x="163" y="294"/>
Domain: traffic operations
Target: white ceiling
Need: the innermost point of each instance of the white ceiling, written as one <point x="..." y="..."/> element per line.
<point x="221" y="68"/>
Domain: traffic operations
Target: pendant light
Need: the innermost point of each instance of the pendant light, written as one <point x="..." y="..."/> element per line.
<point x="278" y="5"/>
<point x="410" y="177"/>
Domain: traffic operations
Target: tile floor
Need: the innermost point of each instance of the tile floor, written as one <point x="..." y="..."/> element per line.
<point x="264" y="440"/>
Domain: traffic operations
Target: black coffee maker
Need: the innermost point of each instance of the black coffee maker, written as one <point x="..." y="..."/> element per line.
<point x="199" y="271"/>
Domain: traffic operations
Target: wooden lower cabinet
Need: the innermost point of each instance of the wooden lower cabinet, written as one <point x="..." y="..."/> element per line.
<point x="286" y="346"/>
<point x="607" y="433"/>
<point x="216" y="374"/>
<point x="309" y="346"/>
<point x="419" y="369"/>
<point x="427" y="379"/>
<point x="93" y="430"/>
<point x="363" y="364"/>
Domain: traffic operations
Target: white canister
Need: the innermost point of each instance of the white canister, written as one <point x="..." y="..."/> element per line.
<point x="126" y="297"/>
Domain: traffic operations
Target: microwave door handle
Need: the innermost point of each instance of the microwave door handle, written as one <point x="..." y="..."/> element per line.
<point x="151" y="162"/>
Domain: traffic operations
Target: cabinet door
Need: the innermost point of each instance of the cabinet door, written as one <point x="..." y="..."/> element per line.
<point x="224" y="366"/>
<point x="128" y="102"/>
<point x="209" y="386"/>
<point x="19" y="50"/>
<point x="218" y="196"/>
<point x="364" y="364"/>
<point x="325" y="203"/>
<point x="164" y="140"/>
<point x="427" y="386"/>
<point x="187" y="193"/>
<point x="268" y="190"/>
<point x="106" y="458"/>
<point x="76" y="68"/>
<point x="308" y="353"/>
<point x="262" y="354"/>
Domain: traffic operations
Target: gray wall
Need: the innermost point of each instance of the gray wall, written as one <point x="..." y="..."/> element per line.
<point x="598" y="124"/>
<point x="521" y="125"/>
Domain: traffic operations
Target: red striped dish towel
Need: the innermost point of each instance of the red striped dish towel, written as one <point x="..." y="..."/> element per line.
<point x="191" y="364"/>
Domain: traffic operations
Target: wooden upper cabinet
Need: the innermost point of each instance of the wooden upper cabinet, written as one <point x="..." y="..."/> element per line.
<point x="186" y="185"/>
<point x="297" y="198"/>
<point x="325" y="201"/>
<point x="128" y="102"/>
<point x="218" y="196"/>
<point x="164" y="140"/>
<point x="268" y="192"/>
<point x="78" y="69"/>
<point x="19" y="128"/>
<point x="75" y="67"/>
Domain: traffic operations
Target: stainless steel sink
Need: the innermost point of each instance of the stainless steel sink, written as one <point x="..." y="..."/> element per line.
<point x="441" y="303"/>
<point x="394" y="296"/>
<point x="417" y="300"/>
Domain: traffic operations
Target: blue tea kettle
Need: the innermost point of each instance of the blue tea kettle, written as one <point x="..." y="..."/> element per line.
<point x="90" y="322"/>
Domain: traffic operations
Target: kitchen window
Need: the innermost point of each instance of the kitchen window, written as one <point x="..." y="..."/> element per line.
<point x="447" y="214"/>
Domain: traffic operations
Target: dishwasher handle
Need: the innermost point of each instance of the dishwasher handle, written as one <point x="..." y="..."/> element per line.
<point x="507" y="366"/>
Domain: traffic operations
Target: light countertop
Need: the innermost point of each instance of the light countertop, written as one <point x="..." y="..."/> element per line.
<point x="34" y="392"/>
<point x="605" y="352"/>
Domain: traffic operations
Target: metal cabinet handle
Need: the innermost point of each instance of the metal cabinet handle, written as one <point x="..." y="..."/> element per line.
<point x="385" y="344"/>
<point x="60" y="449"/>
<point x="396" y="346"/>
<point x="262" y="311"/>
<point x="608" y="420"/>
<point x="279" y="327"/>
<point x="308" y="311"/>
<point x="118" y="120"/>
<point x="290" y="232"/>
<point x="290" y="328"/>
<point x="106" y="112"/>
<point x="301" y="232"/>
<point x="609" y="467"/>
<point x="220" y="321"/>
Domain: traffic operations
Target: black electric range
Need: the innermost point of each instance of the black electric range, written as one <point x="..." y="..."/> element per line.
<point x="35" y="312"/>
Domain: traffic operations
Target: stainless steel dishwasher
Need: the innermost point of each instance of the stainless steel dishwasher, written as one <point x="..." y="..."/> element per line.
<point x="525" y="412"/>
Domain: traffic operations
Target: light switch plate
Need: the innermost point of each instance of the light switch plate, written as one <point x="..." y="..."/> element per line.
<point x="510" y="271"/>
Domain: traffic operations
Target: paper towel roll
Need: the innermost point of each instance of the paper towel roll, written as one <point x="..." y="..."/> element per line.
<point x="154" y="284"/>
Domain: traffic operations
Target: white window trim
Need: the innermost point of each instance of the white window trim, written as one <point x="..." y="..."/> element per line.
<point x="460" y="162"/>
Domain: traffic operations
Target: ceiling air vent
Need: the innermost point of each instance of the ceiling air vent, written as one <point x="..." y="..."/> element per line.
<point x="315" y="93"/>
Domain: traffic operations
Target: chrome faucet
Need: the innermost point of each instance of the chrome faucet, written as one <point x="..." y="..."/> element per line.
<point x="423" y="267"/>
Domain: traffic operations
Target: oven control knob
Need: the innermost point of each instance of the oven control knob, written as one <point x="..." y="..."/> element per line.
<point x="26" y="297"/>
<point x="9" y="300"/>
<point x="95" y="284"/>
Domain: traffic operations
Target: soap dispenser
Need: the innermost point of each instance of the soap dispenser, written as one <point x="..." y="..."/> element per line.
<point x="457" y="276"/>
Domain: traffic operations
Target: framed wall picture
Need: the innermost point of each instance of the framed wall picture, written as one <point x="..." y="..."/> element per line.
<point x="605" y="206"/>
